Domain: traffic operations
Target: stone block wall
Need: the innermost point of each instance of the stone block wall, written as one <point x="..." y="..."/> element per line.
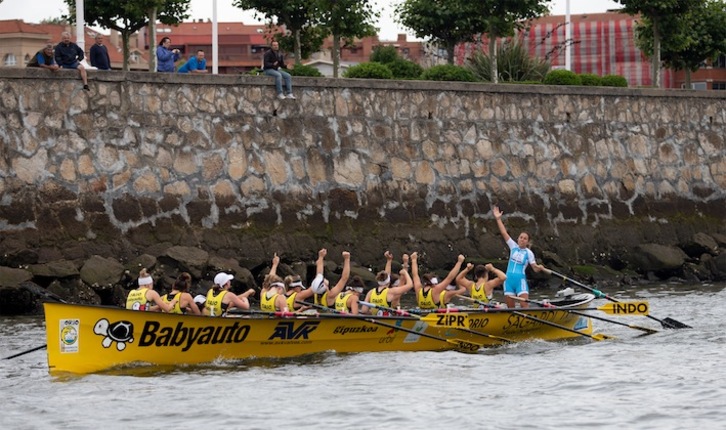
<point x="145" y="161"/>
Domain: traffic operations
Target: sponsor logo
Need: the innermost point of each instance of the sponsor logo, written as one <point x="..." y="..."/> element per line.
<point x="186" y="337"/>
<point x="69" y="335"/>
<point x="343" y="330"/>
<point x="120" y="333"/>
<point x="287" y="330"/>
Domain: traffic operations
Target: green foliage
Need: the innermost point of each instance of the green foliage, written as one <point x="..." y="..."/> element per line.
<point x="513" y="64"/>
<point x="405" y="69"/>
<point x="614" y="81"/>
<point x="689" y="39"/>
<point x="384" y="54"/>
<point x="562" y="77"/>
<point x="303" y="70"/>
<point x="448" y="72"/>
<point x="346" y="20"/>
<point x="445" y="22"/>
<point x="298" y="16"/>
<point x="311" y="40"/>
<point x="369" y="71"/>
<point x="590" y="80"/>
<point x="255" y="72"/>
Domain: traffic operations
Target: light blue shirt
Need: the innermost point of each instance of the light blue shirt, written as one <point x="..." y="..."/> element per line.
<point x="193" y="64"/>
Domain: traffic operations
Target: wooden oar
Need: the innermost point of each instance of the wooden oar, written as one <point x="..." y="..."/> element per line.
<point x="577" y="312"/>
<point x="666" y="322"/>
<point x="44" y="293"/>
<point x="545" y="322"/>
<point x="434" y="319"/>
<point x="460" y="345"/>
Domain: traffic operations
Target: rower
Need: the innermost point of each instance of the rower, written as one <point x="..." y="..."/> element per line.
<point x="144" y="298"/>
<point x="220" y="299"/>
<point x="432" y="294"/>
<point x="322" y="293"/>
<point x="482" y="288"/>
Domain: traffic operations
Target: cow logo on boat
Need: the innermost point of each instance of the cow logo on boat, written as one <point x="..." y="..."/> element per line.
<point x="120" y="332"/>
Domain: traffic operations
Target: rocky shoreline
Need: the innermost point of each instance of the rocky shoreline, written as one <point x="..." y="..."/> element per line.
<point x="26" y="280"/>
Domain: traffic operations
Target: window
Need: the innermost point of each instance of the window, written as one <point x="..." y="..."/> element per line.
<point x="719" y="86"/>
<point x="720" y="62"/>
<point x="10" y="60"/>
<point x="696" y="86"/>
<point x="27" y="58"/>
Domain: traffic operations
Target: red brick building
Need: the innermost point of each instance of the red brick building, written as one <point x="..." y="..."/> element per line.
<point x="603" y="44"/>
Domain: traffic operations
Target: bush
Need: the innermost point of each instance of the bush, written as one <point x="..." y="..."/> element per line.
<point x="254" y="72"/>
<point x="384" y="54"/>
<point x="514" y="64"/>
<point x="368" y="71"/>
<point x="448" y="72"/>
<point x="590" y="80"/>
<point x="303" y="70"/>
<point x="614" y="81"/>
<point x="404" y="69"/>
<point x="562" y="77"/>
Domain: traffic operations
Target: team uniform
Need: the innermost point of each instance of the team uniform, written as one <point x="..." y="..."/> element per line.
<point x="214" y="303"/>
<point x="137" y="301"/>
<point x="519" y="259"/>
<point x="425" y="299"/>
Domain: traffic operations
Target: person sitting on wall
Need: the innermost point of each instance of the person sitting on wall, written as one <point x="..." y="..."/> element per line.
<point x="44" y="59"/>
<point x="272" y="65"/>
<point x="98" y="56"/>
<point x="68" y="55"/>
<point x="196" y="64"/>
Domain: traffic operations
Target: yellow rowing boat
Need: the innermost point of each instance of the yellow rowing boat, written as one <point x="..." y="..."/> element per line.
<point x="86" y="339"/>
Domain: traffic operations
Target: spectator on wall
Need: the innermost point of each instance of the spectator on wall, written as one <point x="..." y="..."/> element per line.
<point x="196" y="64"/>
<point x="166" y="57"/>
<point x="272" y="65"/>
<point x="99" y="54"/>
<point x="44" y="58"/>
<point x="68" y="55"/>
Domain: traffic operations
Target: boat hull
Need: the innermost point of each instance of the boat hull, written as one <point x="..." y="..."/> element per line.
<point x="86" y="339"/>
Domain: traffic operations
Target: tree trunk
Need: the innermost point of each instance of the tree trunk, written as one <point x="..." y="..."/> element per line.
<point x="152" y="40"/>
<point x="336" y="55"/>
<point x="450" y="52"/>
<point x="298" y="49"/>
<point x="656" y="54"/>
<point x="493" y="57"/>
<point x="688" y="78"/>
<point x="125" y="36"/>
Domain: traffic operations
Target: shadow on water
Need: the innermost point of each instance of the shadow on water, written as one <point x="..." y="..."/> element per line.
<point x="146" y="370"/>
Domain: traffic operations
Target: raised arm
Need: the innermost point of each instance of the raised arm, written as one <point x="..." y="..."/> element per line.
<point x="275" y="263"/>
<point x="441" y="286"/>
<point x="461" y="280"/>
<point x="389" y="262"/>
<point x="500" y="276"/>
<point x="343" y="279"/>
<point x="502" y="230"/>
<point x="405" y="283"/>
<point x="414" y="272"/>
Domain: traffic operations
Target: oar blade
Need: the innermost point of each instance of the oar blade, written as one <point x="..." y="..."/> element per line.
<point x="452" y="320"/>
<point x="626" y="308"/>
<point x="598" y="336"/>
<point x="464" y="346"/>
<point x="671" y="323"/>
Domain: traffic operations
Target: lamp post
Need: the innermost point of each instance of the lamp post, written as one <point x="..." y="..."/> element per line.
<point x="215" y="37"/>
<point x="568" y="37"/>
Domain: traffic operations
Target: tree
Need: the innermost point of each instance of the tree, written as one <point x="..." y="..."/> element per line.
<point x="502" y="17"/>
<point x="657" y="11"/>
<point x="346" y="20"/>
<point x="445" y="22"/>
<point x="130" y="16"/>
<point x="688" y="40"/>
<point x="298" y="16"/>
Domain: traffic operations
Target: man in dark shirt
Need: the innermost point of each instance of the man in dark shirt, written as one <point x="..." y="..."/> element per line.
<point x="99" y="55"/>
<point x="68" y="55"/>
<point x="272" y="64"/>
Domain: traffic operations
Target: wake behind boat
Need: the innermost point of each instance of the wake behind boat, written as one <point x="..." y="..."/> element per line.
<point x="87" y="339"/>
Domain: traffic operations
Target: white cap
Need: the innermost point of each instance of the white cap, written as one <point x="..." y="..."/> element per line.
<point x="222" y="278"/>
<point x="199" y="299"/>
<point x="318" y="284"/>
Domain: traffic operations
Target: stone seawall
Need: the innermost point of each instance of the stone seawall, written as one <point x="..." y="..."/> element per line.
<point x="146" y="161"/>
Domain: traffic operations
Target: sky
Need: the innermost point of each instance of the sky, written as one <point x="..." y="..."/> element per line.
<point x="202" y="9"/>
